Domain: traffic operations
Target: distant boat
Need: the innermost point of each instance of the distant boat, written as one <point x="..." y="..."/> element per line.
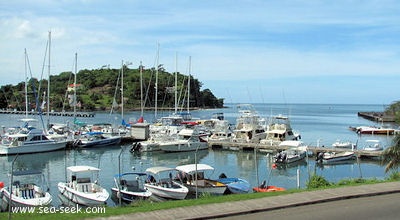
<point x="278" y="130"/>
<point x="374" y="130"/>
<point x="344" y="144"/>
<point x="96" y="139"/>
<point x="296" y="151"/>
<point x="333" y="157"/>
<point x="373" y="145"/>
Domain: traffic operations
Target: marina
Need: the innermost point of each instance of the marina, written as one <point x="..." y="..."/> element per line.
<point x="319" y="125"/>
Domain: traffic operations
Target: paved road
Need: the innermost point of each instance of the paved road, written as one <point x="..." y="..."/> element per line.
<point x="374" y="208"/>
<point x="346" y="197"/>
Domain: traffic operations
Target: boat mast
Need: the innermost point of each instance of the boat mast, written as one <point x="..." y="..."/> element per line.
<point x="75" y="99"/>
<point x="176" y="83"/>
<point x="122" y="91"/>
<point x="188" y="98"/>
<point x="48" y="85"/>
<point x="26" y="86"/>
<point x="156" y="84"/>
<point x="141" y="89"/>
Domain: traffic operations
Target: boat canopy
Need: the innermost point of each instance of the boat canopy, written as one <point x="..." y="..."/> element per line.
<point x="157" y="170"/>
<point x="189" y="168"/>
<point x="76" y="169"/>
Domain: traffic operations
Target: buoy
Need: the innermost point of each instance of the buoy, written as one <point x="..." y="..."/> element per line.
<point x="1" y="185"/>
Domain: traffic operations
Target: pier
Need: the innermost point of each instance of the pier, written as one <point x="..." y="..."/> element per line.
<point x="68" y="114"/>
<point x="376" y="116"/>
<point x="274" y="148"/>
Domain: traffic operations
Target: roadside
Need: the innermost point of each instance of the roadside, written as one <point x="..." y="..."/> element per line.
<point x="265" y="204"/>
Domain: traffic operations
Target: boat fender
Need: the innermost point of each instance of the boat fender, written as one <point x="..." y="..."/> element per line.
<point x="1" y="194"/>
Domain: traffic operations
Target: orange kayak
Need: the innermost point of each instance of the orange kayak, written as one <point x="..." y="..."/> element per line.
<point x="268" y="189"/>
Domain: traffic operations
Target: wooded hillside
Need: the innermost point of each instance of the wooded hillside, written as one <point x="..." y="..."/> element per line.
<point x="100" y="89"/>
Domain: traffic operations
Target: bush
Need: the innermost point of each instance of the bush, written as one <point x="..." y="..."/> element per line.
<point x="317" y="182"/>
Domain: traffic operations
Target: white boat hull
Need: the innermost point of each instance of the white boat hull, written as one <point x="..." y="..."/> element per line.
<point x="30" y="201"/>
<point x="168" y="192"/>
<point x="98" y="198"/>
<point x="33" y="148"/>
<point x="182" y="145"/>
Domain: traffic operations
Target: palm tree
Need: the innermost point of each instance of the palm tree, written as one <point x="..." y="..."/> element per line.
<point x="391" y="155"/>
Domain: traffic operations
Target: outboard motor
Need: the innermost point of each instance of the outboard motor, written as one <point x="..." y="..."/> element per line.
<point x="263" y="184"/>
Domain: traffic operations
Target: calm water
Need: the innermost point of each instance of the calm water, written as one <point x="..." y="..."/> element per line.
<point x="318" y="124"/>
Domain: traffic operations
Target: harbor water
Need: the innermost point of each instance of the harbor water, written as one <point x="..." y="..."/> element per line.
<point x="318" y="124"/>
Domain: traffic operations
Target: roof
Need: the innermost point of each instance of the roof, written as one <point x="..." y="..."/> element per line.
<point x="192" y="167"/>
<point x="76" y="169"/>
<point x="157" y="170"/>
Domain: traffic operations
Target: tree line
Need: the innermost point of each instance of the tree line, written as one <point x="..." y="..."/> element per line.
<point x="101" y="89"/>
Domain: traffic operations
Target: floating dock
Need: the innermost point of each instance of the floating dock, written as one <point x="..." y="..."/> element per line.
<point x="274" y="148"/>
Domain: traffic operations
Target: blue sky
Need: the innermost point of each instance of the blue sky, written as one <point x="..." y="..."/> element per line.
<point x="253" y="51"/>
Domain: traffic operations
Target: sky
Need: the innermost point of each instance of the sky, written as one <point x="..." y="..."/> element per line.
<point x="249" y="51"/>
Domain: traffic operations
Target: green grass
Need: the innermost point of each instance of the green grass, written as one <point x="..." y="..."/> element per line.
<point x="147" y="206"/>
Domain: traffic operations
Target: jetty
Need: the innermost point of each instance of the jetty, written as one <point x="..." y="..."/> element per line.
<point x="52" y="113"/>
<point x="376" y="116"/>
<point x="313" y="150"/>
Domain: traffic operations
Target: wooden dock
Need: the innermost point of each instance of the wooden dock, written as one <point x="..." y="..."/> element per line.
<point x="313" y="150"/>
<point x="68" y="114"/>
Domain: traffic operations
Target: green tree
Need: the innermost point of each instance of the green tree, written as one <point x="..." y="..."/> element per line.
<point x="391" y="155"/>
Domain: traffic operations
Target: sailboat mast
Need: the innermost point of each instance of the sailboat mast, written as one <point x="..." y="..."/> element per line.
<point x="176" y="83"/>
<point x="48" y="85"/>
<point x="141" y="89"/>
<point x="26" y="85"/>
<point x="156" y="84"/>
<point x="122" y="91"/>
<point x="76" y="70"/>
<point x="188" y="98"/>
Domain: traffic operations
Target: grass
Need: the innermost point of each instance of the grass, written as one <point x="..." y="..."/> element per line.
<point x="147" y="206"/>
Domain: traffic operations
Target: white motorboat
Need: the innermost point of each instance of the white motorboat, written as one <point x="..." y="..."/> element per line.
<point x="29" y="140"/>
<point x="250" y="127"/>
<point x="160" y="183"/>
<point x="28" y="190"/>
<point x="96" y="139"/>
<point x="278" y="130"/>
<point x="344" y="144"/>
<point x="335" y="157"/>
<point x="296" y="151"/>
<point x="188" y="139"/>
<point x="82" y="186"/>
<point x="193" y="177"/>
<point x="373" y="145"/>
<point x="129" y="188"/>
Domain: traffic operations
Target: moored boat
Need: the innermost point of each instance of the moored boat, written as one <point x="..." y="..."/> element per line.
<point x="27" y="190"/>
<point x="267" y="188"/>
<point x="334" y="157"/>
<point x="129" y="188"/>
<point x="82" y="186"/>
<point x="235" y="185"/>
<point x="196" y="181"/>
<point x="160" y="183"/>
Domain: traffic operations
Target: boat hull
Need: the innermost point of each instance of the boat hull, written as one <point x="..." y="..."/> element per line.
<point x="17" y="201"/>
<point x="33" y="148"/>
<point x="130" y="196"/>
<point x="82" y="198"/>
<point x="182" y="146"/>
<point x="177" y="193"/>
